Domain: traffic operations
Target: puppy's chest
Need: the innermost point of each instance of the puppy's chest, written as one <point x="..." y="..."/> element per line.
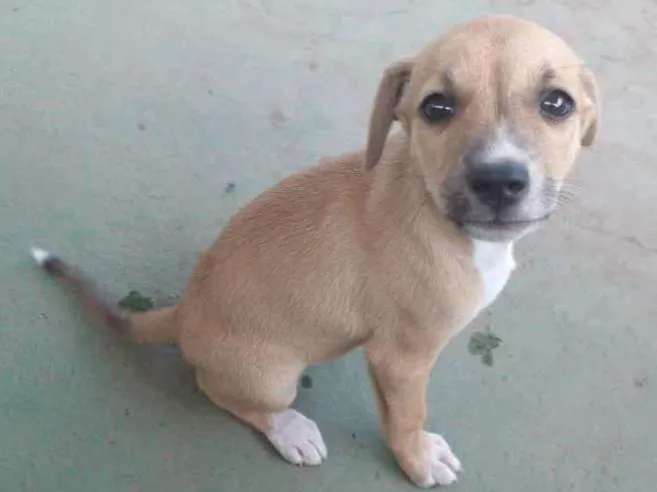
<point x="494" y="263"/>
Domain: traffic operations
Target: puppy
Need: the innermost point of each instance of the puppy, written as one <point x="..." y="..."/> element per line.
<point x="394" y="249"/>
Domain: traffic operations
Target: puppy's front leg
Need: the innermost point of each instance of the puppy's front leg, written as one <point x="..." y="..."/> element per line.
<point x="400" y="378"/>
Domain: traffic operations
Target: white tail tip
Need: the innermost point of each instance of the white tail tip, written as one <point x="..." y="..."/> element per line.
<point x="40" y="255"/>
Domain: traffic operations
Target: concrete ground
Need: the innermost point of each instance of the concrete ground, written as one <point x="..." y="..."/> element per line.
<point x="130" y="131"/>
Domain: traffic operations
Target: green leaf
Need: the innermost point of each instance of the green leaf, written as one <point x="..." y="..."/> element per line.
<point x="478" y="343"/>
<point x="134" y="301"/>
<point x="483" y="343"/>
<point x="493" y="341"/>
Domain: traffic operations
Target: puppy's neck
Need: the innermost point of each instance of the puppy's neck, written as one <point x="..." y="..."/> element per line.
<point x="399" y="191"/>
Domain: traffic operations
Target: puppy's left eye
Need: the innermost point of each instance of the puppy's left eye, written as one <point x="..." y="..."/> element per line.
<point x="557" y="104"/>
<point x="438" y="107"/>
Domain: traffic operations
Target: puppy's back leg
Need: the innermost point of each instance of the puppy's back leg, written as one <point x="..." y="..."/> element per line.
<point x="293" y="435"/>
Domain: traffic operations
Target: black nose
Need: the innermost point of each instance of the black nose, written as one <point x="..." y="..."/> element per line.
<point x="499" y="185"/>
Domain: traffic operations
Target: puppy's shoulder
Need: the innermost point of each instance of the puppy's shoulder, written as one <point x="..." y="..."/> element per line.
<point x="301" y="200"/>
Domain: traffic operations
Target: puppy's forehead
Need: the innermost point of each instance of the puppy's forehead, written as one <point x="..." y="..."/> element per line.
<point x="503" y="49"/>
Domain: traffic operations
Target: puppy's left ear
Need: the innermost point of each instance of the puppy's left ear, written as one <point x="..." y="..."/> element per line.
<point x="383" y="113"/>
<point x="591" y="113"/>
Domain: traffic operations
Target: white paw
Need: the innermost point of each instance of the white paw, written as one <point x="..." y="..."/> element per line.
<point x="444" y="465"/>
<point x="297" y="438"/>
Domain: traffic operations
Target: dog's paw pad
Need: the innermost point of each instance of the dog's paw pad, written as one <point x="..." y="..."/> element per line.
<point x="297" y="438"/>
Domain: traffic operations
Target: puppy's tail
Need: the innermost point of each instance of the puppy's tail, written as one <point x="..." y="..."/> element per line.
<point x="158" y="325"/>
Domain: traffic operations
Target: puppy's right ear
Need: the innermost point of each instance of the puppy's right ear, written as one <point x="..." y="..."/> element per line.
<point x="383" y="112"/>
<point x="591" y="113"/>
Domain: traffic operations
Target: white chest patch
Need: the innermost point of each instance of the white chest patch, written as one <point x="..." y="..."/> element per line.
<point x="495" y="262"/>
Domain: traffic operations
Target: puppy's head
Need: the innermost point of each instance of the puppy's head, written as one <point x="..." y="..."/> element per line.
<point x="496" y="112"/>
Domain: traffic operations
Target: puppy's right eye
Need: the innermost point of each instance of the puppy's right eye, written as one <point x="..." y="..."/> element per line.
<point x="557" y="104"/>
<point x="437" y="108"/>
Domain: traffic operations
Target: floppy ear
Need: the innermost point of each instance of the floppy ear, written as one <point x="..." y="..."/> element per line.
<point x="383" y="112"/>
<point x="591" y="115"/>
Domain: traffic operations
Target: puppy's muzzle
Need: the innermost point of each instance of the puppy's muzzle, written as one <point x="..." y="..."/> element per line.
<point x="498" y="185"/>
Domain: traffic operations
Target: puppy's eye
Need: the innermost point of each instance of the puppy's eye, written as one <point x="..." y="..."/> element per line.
<point x="557" y="104"/>
<point x="438" y="107"/>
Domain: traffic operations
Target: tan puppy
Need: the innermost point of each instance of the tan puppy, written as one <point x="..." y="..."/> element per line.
<point x="394" y="249"/>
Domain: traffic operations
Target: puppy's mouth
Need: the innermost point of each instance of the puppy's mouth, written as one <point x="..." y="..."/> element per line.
<point x="501" y="224"/>
<point x="499" y="229"/>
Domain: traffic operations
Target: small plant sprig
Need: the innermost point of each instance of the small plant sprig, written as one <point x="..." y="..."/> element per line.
<point x="482" y="343"/>
<point x="136" y="302"/>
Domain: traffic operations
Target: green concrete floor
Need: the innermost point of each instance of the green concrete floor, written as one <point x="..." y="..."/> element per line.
<point x="129" y="132"/>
